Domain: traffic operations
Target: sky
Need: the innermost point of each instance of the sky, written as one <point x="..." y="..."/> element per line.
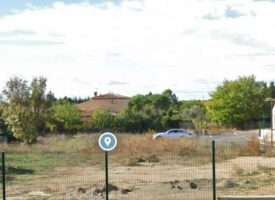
<point x="138" y="46"/>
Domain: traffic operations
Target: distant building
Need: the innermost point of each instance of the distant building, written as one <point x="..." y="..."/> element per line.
<point x="112" y="102"/>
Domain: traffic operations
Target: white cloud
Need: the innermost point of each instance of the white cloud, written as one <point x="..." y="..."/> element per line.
<point x="151" y="45"/>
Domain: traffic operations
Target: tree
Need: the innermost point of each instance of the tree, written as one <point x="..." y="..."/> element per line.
<point x="235" y="102"/>
<point x="17" y="112"/>
<point x="159" y="101"/>
<point x="21" y="122"/>
<point x="192" y="109"/>
<point x="172" y="96"/>
<point x="24" y="107"/>
<point x="154" y="111"/>
<point x="65" y="118"/>
<point x="102" y="119"/>
<point x="272" y="90"/>
<point x="137" y="102"/>
<point x="38" y="102"/>
<point x="75" y="100"/>
<point x="129" y="121"/>
<point x="3" y="127"/>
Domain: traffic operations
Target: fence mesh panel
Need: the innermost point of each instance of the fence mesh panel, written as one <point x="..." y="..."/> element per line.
<point x="52" y="175"/>
<point x="1" y="177"/>
<point x="135" y="176"/>
<point x="243" y="170"/>
<point x="131" y="176"/>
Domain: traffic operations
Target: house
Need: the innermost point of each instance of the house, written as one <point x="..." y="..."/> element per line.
<point x="110" y="101"/>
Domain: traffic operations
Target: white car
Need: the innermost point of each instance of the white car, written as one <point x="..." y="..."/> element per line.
<point x="174" y="134"/>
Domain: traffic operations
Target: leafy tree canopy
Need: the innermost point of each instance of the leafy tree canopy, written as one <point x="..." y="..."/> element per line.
<point x="24" y="107"/>
<point x="102" y="119"/>
<point x="237" y="101"/>
<point x="65" y="117"/>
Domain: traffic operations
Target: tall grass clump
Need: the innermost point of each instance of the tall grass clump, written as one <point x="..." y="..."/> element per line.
<point x="142" y="148"/>
<point x="144" y="144"/>
<point x="250" y="148"/>
<point x="82" y="143"/>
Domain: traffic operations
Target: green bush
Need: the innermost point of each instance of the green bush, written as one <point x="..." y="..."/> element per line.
<point x="65" y="118"/>
<point x="102" y="119"/>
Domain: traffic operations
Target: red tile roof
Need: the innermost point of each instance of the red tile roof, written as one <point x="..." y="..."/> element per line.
<point x="110" y="96"/>
<point x="112" y="102"/>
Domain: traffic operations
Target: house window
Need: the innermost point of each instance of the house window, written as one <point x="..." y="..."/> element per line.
<point x="113" y="100"/>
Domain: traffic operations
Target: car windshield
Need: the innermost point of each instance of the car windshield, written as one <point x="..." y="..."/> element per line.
<point x="171" y="131"/>
<point x="176" y="131"/>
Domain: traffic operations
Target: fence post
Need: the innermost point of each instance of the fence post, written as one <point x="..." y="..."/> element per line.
<point x="3" y="176"/>
<point x="106" y="175"/>
<point x="260" y="131"/>
<point x="214" y="169"/>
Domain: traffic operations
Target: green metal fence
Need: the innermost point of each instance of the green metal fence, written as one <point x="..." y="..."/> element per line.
<point x="3" y="175"/>
<point x="147" y="176"/>
<point x="244" y="172"/>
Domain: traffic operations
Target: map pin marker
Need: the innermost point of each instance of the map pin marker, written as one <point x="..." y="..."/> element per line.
<point x="107" y="141"/>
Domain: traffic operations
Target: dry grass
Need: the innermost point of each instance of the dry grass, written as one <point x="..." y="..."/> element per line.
<point x="158" y="163"/>
<point x="130" y="149"/>
<point x="253" y="146"/>
<point x="250" y="148"/>
<point x="137" y="145"/>
<point x="56" y="143"/>
<point x="237" y="170"/>
<point x="127" y="143"/>
<point x="137" y="160"/>
<point x="145" y="144"/>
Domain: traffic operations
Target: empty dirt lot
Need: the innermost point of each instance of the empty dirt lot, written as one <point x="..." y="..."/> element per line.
<point x="166" y="179"/>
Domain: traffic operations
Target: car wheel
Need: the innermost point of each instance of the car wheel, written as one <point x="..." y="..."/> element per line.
<point x="158" y="137"/>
